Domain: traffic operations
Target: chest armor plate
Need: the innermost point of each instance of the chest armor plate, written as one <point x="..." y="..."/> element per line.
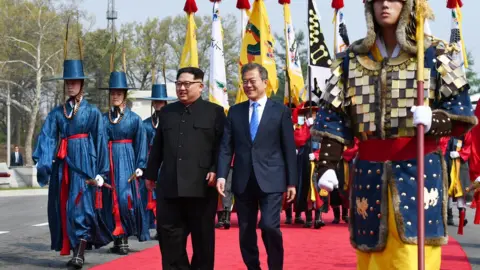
<point x="379" y="95"/>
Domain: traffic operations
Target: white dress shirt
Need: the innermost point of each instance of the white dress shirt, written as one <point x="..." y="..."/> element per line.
<point x="260" y="108"/>
<point x="17" y="159"/>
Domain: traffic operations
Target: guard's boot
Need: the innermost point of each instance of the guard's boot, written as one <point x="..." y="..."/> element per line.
<point x="288" y="213"/>
<point x="298" y="218"/>
<point x="450" y="217"/>
<point x="309" y="221"/>
<point x="336" y="215"/>
<point x="221" y="219"/>
<point x="226" y="221"/>
<point x="78" y="258"/>
<point x="120" y="246"/>
<point x="465" y="220"/>
<point x="318" y="220"/>
<point x="345" y="214"/>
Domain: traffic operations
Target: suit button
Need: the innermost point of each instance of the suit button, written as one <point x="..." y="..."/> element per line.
<point x="183" y="121"/>
<point x="181" y="133"/>
<point x="180" y="146"/>
<point x="180" y="159"/>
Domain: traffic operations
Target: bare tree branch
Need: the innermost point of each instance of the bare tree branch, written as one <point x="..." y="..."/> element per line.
<point x="18" y="61"/>
<point x="25" y="50"/>
<point x="16" y="103"/>
<point x="11" y="82"/>
<point x="48" y="58"/>
<point x="21" y="41"/>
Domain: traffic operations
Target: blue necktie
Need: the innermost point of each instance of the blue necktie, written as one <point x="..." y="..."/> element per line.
<point x="254" y="121"/>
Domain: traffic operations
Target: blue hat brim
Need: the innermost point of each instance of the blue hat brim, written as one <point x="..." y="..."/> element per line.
<point x="67" y="78"/>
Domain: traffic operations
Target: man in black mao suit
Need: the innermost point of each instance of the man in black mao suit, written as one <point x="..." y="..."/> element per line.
<point x="186" y="148"/>
<point x="260" y="133"/>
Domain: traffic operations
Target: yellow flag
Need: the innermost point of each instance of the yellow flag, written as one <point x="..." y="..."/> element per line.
<point x="190" y="52"/>
<point x="294" y="67"/>
<point x="257" y="47"/>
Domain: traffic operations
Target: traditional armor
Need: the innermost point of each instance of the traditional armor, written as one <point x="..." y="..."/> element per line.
<point x="370" y="96"/>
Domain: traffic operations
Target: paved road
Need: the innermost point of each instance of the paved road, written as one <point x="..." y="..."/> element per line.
<point x="470" y="240"/>
<point x="25" y="239"/>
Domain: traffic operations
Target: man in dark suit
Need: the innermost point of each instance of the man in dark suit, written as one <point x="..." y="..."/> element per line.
<point x="186" y="148"/>
<point x="16" y="158"/>
<point x="260" y="133"/>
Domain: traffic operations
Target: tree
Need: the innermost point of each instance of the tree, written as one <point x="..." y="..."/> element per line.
<point x="35" y="47"/>
<point x="280" y="56"/>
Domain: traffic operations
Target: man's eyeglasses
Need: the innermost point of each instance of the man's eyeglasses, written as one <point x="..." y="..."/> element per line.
<point x="185" y="84"/>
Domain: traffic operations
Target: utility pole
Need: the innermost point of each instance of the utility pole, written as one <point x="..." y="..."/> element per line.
<point x="112" y="15"/>
<point x="8" y="125"/>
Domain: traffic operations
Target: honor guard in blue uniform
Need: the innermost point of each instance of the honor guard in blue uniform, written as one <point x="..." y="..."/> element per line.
<point x="73" y="136"/>
<point x="127" y="148"/>
<point x="159" y="99"/>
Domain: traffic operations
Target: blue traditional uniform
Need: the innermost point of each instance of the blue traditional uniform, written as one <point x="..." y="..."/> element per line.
<point x="127" y="142"/>
<point x="159" y="93"/>
<point x="370" y="97"/>
<point x="73" y="136"/>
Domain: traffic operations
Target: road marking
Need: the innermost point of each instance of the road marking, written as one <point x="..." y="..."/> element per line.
<point x="2" y="232"/>
<point x="40" y="225"/>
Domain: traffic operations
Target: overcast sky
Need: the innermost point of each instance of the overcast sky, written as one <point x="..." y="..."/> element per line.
<point x="140" y="10"/>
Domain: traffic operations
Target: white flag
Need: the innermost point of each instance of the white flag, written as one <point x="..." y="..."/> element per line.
<point x="341" y="36"/>
<point x="218" y="80"/>
<point x="456" y="37"/>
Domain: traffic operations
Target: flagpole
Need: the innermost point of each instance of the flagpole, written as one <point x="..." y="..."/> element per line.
<point x="309" y="76"/>
<point x="420" y="139"/>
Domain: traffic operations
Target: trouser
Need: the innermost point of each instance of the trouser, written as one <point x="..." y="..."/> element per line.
<point x="178" y="217"/>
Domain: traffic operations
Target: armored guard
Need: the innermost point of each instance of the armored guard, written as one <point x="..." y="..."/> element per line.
<point x="127" y="149"/>
<point x="457" y="155"/>
<point x="73" y="136"/>
<point x="371" y="96"/>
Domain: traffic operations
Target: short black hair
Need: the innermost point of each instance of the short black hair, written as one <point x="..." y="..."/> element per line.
<point x="196" y="72"/>
<point x="252" y="66"/>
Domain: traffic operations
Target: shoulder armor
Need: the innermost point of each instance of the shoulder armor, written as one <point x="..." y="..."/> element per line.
<point x="453" y="75"/>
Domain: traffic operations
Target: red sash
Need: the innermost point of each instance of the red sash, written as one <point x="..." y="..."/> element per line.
<point x="116" y="208"/>
<point x="393" y="149"/>
<point x="65" y="187"/>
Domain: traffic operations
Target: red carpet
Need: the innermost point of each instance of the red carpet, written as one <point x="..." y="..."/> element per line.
<point x="327" y="248"/>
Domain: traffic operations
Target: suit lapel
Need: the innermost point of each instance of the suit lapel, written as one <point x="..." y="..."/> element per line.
<point x="246" y="120"/>
<point x="265" y="119"/>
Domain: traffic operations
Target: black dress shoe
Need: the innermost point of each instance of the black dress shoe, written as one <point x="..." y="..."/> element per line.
<point x="221" y="219"/>
<point x="226" y="221"/>
<point x="288" y="220"/>
<point x="299" y="220"/>
<point x="308" y="224"/>
<point x="318" y="224"/>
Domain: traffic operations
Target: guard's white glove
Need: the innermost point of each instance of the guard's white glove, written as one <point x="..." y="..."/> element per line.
<point x="311" y="156"/>
<point x="99" y="180"/>
<point x="328" y="180"/>
<point x="454" y="154"/>
<point x="422" y="115"/>
<point x="138" y="172"/>
<point x="478" y="179"/>
<point x="296" y="151"/>
<point x="310" y="122"/>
